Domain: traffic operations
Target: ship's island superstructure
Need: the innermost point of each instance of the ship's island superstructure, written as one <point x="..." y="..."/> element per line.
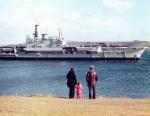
<point x="55" y="48"/>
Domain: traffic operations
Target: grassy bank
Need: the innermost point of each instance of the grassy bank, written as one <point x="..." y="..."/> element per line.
<point x="51" y="106"/>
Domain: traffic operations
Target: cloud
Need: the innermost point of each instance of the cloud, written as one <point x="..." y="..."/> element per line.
<point x="104" y="22"/>
<point x="94" y="20"/>
<point x="118" y="5"/>
<point x="74" y="16"/>
<point x="16" y="1"/>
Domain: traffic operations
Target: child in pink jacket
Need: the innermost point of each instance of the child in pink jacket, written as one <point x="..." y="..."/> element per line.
<point x="79" y="90"/>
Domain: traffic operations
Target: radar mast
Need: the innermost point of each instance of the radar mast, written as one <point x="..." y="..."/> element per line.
<point x="36" y="33"/>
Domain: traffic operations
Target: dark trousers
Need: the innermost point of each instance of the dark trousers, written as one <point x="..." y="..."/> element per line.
<point x="92" y="89"/>
<point x="71" y="92"/>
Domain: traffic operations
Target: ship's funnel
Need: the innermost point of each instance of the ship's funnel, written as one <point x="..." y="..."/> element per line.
<point x="43" y="36"/>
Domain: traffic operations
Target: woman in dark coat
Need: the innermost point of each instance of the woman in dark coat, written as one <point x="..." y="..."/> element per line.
<point x="71" y="82"/>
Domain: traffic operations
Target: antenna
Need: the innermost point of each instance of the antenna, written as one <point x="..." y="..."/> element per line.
<point x="60" y="33"/>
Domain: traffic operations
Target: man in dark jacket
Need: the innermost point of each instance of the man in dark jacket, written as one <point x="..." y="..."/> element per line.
<point x="91" y="80"/>
<point x="71" y="82"/>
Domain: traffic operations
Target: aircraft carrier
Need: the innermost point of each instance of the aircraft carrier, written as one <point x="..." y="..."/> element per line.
<point x="56" y="48"/>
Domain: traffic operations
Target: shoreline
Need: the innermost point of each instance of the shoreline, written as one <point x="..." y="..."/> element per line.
<point x="59" y="106"/>
<point x="66" y="97"/>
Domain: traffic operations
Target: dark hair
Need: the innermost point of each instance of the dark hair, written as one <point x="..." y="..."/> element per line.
<point x="72" y="69"/>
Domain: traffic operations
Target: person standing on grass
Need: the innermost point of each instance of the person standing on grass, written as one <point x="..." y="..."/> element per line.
<point x="71" y="82"/>
<point x="91" y="79"/>
<point x="79" y="90"/>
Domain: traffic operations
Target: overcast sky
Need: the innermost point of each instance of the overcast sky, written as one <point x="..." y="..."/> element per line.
<point x="81" y="20"/>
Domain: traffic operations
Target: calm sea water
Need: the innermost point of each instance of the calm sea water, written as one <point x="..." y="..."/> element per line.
<point x="116" y="78"/>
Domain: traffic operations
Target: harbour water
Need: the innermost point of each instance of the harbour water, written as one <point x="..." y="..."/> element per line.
<point x="116" y="78"/>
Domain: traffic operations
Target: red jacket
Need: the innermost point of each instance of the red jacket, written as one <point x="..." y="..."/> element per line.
<point x="91" y="78"/>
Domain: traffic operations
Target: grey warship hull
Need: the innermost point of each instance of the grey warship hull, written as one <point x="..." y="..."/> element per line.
<point x="69" y="59"/>
<point x="124" y="54"/>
